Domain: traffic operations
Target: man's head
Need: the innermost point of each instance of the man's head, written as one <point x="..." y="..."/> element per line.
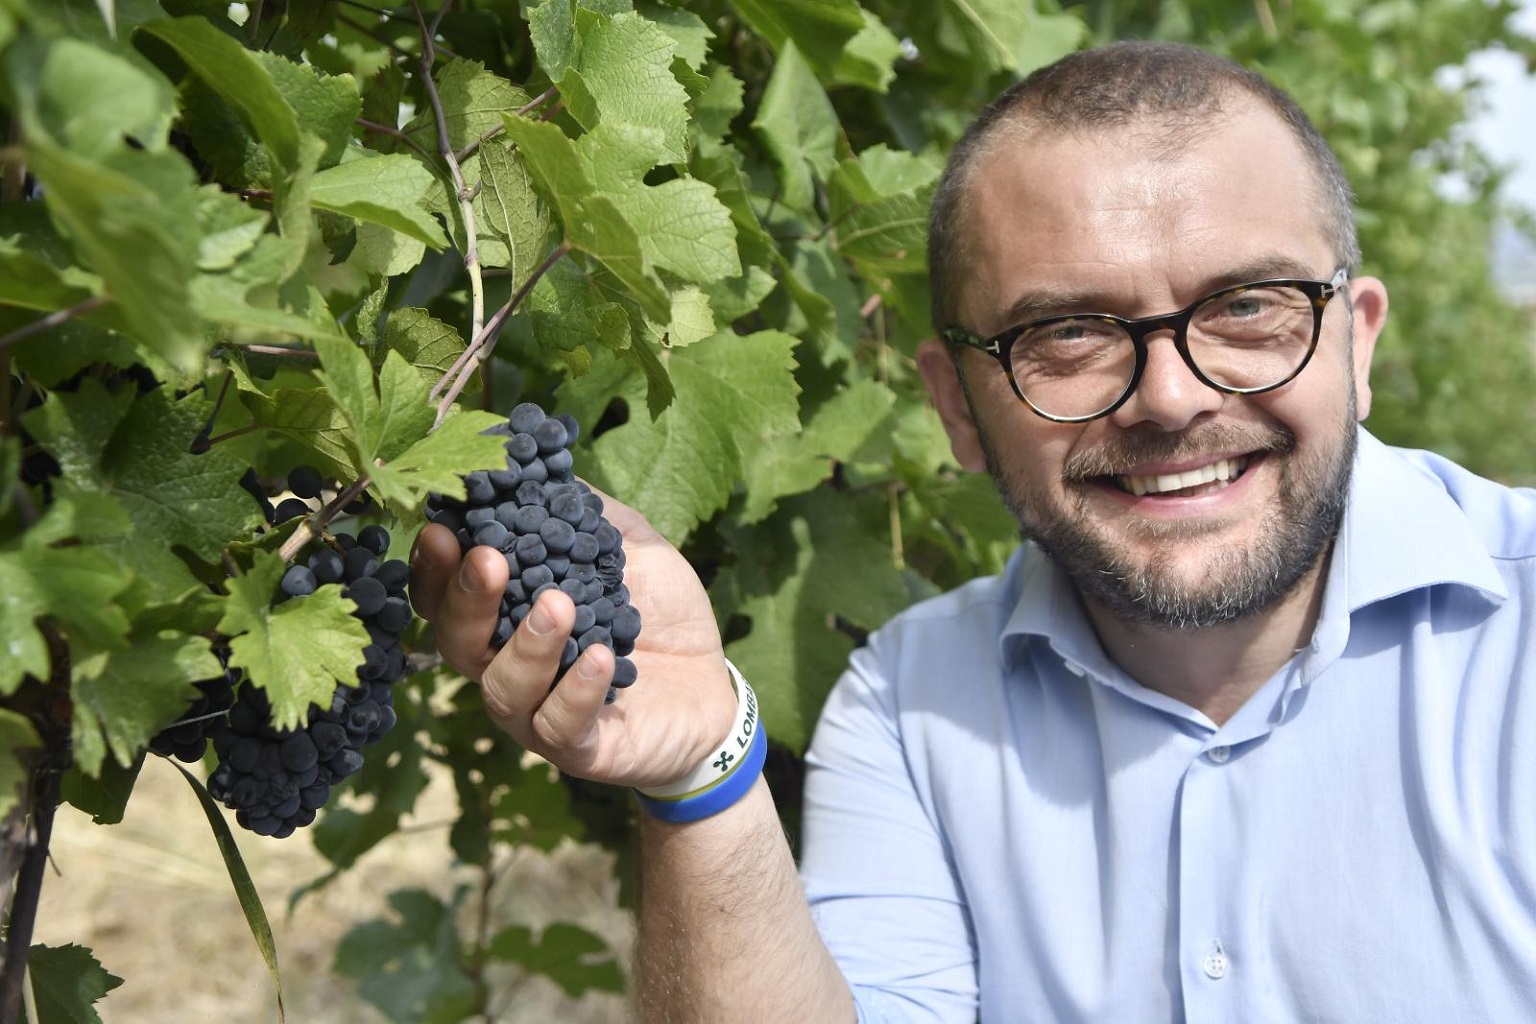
<point x="1135" y="181"/>
<point x="1177" y="91"/>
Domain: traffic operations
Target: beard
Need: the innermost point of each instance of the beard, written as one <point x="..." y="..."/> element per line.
<point x="1231" y="582"/>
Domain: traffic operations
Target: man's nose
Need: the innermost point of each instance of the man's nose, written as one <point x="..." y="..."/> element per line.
<point x="1169" y="395"/>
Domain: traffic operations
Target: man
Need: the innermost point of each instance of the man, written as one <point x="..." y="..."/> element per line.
<point x="1246" y="731"/>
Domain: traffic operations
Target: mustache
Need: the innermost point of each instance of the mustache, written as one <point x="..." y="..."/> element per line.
<point x="1118" y="456"/>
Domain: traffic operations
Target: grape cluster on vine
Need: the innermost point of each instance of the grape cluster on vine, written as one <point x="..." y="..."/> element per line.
<point x="275" y="780"/>
<point x="550" y="528"/>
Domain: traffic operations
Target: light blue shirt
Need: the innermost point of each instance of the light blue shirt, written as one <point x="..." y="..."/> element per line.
<point x="1000" y="822"/>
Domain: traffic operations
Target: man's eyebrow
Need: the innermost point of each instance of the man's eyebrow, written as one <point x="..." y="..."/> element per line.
<point x="1045" y="302"/>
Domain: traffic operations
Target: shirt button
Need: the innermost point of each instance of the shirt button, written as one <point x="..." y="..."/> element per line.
<point x="1219" y="755"/>
<point x="1215" y="966"/>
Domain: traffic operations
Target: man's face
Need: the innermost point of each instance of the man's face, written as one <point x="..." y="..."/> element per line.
<point x="1097" y="223"/>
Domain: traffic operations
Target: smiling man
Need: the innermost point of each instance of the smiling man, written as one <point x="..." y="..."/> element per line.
<point x="1246" y="731"/>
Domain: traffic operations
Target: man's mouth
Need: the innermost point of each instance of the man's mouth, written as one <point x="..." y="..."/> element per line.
<point x="1191" y="483"/>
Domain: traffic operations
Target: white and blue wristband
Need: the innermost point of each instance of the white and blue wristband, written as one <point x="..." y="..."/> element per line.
<point x="724" y="777"/>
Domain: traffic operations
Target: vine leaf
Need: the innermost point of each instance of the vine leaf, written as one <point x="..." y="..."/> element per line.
<point x="799" y="128"/>
<point x="67" y="982"/>
<point x="383" y="190"/>
<point x="409" y="969"/>
<point x="679" y="469"/>
<point x="245" y="888"/>
<point x="297" y="651"/>
<point x="72" y="585"/>
<point x="16" y="737"/>
<point x="820" y="557"/>
<point x="123" y="697"/>
<point x="389" y="427"/>
<point x="572" y="957"/>
<point x="135" y="450"/>
<point x="820" y="29"/>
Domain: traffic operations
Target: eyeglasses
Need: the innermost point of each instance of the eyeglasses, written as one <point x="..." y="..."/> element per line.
<point x="1242" y="340"/>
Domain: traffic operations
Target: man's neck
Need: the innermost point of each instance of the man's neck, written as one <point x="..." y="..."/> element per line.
<point x="1214" y="670"/>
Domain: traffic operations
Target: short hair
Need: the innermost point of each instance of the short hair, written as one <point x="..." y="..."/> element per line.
<point x="1109" y="87"/>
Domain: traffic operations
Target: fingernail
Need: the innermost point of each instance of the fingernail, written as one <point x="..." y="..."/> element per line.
<point x="586" y="668"/>
<point x="539" y="621"/>
<point x="468" y="578"/>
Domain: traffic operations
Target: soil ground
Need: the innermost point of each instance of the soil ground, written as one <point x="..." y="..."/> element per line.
<point x="151" y="897"/>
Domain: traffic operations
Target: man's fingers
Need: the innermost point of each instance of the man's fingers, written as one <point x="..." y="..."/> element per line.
<point x="567" y="714"/>
<point x="468" y="607"/>
<point x="434" y="560"/>
<point x="517" y="680"/>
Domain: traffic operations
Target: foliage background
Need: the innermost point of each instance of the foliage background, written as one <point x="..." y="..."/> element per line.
<point x="230" y="236"/>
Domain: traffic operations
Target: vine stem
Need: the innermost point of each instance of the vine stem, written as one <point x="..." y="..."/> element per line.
<point x="396" y="133"/>
<point x="533" y="104"/>
<point x="308" y="529"/>
<point x="53" y="320"/>
<point x="465" y="195"/>
<point x="481" y="346"/>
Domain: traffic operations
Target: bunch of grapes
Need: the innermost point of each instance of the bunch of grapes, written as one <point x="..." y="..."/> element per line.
<point x="550" y="528"/>
<point x="276" y="779"/>
<point x="187" y="739"/>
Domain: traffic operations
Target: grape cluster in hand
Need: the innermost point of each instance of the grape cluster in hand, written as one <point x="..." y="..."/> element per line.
<point x="276" y="779"/>
<point x="550" y="528"/>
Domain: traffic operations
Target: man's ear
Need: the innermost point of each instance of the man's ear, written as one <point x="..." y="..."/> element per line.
<point x="1369" y="297"/>
<point x="939" y="373"/>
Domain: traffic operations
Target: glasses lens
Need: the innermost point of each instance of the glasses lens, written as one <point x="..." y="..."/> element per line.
<point x="1073" y="367"/>
<point x="1252" y="337"/>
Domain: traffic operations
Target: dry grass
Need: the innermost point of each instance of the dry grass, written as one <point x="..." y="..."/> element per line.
<point x="152" y="898"/>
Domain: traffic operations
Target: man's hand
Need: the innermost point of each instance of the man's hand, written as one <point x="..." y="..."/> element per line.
<point x="658" y="730"/>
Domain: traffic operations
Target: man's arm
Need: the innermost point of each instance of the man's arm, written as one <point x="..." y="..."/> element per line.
<point x="725" y="932"/>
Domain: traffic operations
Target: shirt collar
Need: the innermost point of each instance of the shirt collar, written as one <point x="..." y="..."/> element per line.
<point x="1401" y="531"/>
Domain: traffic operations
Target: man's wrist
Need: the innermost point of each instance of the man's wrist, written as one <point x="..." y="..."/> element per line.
<point x="725" y="776"/>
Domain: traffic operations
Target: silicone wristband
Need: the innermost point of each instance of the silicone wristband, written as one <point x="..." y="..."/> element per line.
<point x="719" y="796"/>
<point x="717" y="766"/>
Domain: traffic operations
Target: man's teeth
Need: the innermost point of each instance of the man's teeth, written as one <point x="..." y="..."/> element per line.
<point x="1224" y="470"/>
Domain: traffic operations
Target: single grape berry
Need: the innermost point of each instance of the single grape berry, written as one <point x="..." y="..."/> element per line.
<point x="305" y="481"/>
<point x="550" y="527"/>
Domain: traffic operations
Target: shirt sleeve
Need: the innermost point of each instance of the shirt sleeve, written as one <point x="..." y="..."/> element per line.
<point x="876" y="867"/>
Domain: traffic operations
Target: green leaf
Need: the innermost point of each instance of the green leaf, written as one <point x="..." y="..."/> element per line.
<point x="136" y="452"/>
<point x="123" y="697"/>
<point x="229" y="228"/>
<point x="412" y="971"/>
<point x="16" y="737"/>
<point x="512" y="224"/>
<point x="309" y="416"/>
<point x="385" y="190"/>
<point x="129" y="221"/>
<point x="438" y="461"/>
<point x="90" y="98"/>
<point x="240" y="877"/>
<point x="475" y="101"/>
<point x="869" y="58"/>
<point x="67" y="981"/>
<point x="104" y="797"/>
<point x="733" y="393"/>
<point x="426" y="343"/>
<point x="323" y="105"/>
<point x="297" y="651"/>
<point x="239" y="77"/>
<point x="798" y="127"/>
<point x="853" y="425"/>
<point x="592" y="222"/>
<point x="72" y="585"/>
<point x="621" y="75"/>
<point x="821" y="558"/>
<point x="381" y="421"/>
<point x="820" y="29"/>
<point x="688" y="32"/>
<point x="572" y="957"/>
<point x="682" y="226"/>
